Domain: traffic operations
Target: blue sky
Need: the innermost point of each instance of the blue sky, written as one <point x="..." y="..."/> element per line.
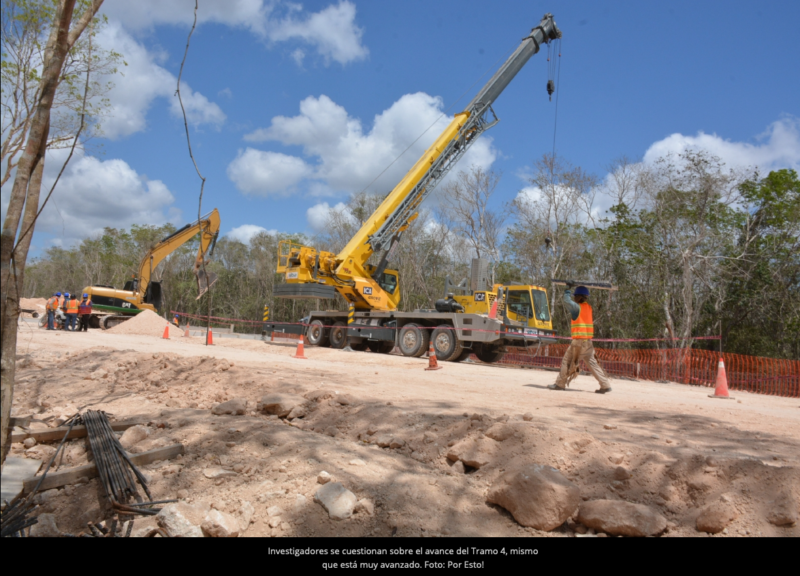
<point x="294" y="106"/>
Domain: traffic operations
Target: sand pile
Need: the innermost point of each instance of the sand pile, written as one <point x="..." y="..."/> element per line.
<point x="146" y="323"/>
<point x="37" y="304"/>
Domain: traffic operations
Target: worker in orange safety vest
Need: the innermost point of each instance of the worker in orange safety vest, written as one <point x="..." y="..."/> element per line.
<point x="581" y="347"/>
<point x="72" y="312"/>
<point x="52" y="306"/>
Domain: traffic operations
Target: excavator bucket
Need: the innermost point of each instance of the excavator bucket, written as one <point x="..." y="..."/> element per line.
<point x="204" y="281"/>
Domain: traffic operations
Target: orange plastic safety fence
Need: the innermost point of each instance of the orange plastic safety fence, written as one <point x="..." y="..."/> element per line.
<point x="684" y="365"/>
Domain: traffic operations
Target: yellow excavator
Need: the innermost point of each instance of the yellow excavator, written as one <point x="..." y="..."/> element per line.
<point x="111" y="306"/>
<point x="482" y="321"/>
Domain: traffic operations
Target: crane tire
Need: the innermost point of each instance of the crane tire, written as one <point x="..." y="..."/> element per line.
<point x="317" y="334"/>
<point x="413" y="340"/>
<point x="446" y="343"/>
<point x="338" y="335"/>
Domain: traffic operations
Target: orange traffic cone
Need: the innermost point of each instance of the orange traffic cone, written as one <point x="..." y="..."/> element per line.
<point x="493" y="310"/>
<point x="299" y="353"/>
<point x="432" y="363"/>
<point x="210" y="338"/>
<point x="722" y="383"/>
<point x="166" y="333"/>
<point x="272" y="336"/>
<point x="186" y="333"/>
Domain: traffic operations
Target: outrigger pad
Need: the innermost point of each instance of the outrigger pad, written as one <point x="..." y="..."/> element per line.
<point x="304" y="291"/>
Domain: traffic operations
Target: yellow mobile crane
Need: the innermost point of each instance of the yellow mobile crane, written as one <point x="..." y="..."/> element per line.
<point x="459" y="325"/>
<point x="142" y="293"/>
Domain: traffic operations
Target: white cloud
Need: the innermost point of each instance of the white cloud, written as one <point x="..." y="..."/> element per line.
<point x="266" y="173"/>
<point x="141" y="82"/>
<point x="93" y="194"/>
<point x="332" y="31"/>
<point x="318" y="215"/>
<point x="246" y="232"/>
<point x="347" y="158"/>
<point x="778" y="147"/>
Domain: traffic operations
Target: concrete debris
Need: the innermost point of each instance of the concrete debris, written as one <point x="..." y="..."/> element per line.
<point x="220" y="525"/>
<point x="237" y="406"/>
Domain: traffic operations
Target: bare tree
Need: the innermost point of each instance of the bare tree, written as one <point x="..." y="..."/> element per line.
<point x="465" y="209"/>
<point x="15" y="239"/>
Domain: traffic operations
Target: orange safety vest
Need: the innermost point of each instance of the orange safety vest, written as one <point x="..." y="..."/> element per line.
<point x="52" y="304"/>
<point x="582" y="326"/>
<point x="72" y="306"/>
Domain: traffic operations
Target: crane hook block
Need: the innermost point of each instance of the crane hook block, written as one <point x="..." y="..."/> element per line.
<point x="551" y="87"/>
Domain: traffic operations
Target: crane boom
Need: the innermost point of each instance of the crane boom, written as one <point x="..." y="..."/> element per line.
<point x="456" y="139"/>
<point x="317" y="274"/>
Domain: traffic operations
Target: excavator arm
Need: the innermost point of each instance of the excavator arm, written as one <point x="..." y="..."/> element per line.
<point x="208" y="227"/>
<point x="316" y="274"/>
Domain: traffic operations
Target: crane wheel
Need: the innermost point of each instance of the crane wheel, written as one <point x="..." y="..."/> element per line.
<point x="446" y="343"/>
<point x="317" y="334"/>
<point x="338" y="335"/>
<point x="414" y="340"/>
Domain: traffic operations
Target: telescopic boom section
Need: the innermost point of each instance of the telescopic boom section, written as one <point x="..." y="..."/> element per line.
<point x="400" y="207"/>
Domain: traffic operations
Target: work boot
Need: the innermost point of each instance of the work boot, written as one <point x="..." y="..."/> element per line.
<point x="602" y="391"/>
<point x="555" y="387"/>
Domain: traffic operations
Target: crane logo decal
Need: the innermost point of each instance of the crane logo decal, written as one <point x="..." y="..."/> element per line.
<point x="368" y="290"/>
<point x="480" y="297"/>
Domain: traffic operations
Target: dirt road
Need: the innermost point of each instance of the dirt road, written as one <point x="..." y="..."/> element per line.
<point x="681" y="449"/>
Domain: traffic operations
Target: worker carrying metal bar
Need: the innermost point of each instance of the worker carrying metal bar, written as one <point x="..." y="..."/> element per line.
<point x="581" y="347"/>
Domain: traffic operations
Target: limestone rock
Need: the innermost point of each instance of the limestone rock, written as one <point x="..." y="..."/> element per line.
<point x="397" y="443"/>
<point x="220" y="525"/>
<point x="215" y="473"/>
<point x="318" y="395"/>
<point x="783" y="511"/>
<point x="343" y="399"/>
<point x="332" y="431"/>
<point x="621" y="518"/>
<point x="365" y="506"/>
<point x="279" y="404"/>
<point x="246" y="512"/>
<point x="357" y="462"/>
<point x="323" y="477"/>
<point x="621" y="473"/>
<point x="458" y="467"/>
<point x="337" y="500"/>
<point x="528" y="417"/>
<point x="274" y="511"/>
<point x="297" y="412"/>
<point x="715" y="517"/>
<point x="475" y="453"/>
<point x="237" y="406"/>
<point x="537" y="496"/>
<point x="29" y="442"/>
<point x="616" y="458"/>
<point x="45" y="527"/>
<point x="429" y="437"/>
<point x="181" y="520"/>
<point x="383" y="441"/>
<point x="500" y="431"/>
<point x="133" y="436"/>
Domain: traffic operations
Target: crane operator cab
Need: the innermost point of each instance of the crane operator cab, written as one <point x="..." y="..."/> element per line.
<point x="528" y="305"/>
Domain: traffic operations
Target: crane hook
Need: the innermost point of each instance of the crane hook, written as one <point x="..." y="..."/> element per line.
<point x="551" y="87"/>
